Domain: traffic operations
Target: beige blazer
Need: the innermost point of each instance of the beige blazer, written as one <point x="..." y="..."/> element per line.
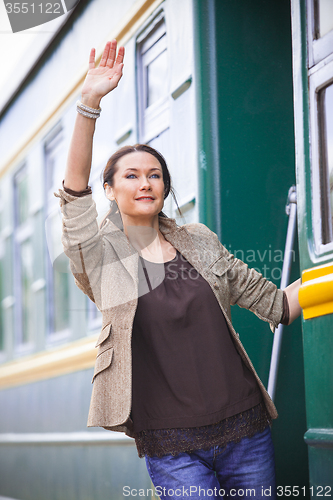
<point x="105" y="267"/>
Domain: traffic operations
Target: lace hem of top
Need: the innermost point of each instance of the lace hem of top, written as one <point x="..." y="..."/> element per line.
<point x="159" y="442"/>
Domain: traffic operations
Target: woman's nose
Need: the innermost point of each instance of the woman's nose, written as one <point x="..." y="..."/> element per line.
<point x="145" y="184"/>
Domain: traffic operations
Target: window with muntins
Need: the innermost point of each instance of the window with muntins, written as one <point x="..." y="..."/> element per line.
<point x="57" y="264"/>
<point x="23" y="258"/>
<point x="320" y="73"/>
<point x="326" y="160"/>
<point x="320" y="30"/>
<point x="2" y="295"/>
<point x="153" y="81"/>
<point x="323" y="10"/>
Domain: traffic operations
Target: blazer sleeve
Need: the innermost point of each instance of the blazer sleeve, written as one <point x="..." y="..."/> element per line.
<point x="251" y="290"/>
<point x="248" y="288"/>
<point x="82" y="241"/>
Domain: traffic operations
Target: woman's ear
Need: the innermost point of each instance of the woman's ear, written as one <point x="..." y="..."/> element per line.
<point x="109" y="192"/>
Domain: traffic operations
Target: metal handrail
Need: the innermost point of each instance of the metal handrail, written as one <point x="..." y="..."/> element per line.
<point x="291" y="210"/>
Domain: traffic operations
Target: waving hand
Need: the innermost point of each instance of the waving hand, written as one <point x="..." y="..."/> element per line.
<point x="102" y="79"/>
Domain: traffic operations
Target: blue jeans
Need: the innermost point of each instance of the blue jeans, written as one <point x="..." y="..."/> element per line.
<point x="238" y="470"/>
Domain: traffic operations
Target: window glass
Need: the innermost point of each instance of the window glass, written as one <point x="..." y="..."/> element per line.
<point x="58" y="263"/>
<point x="26" y="265"/>
<point x="55" y="161"/>
<point x="326" y="135"/>
<point x="21" y="185"/>
<point x="60" y="299"/>
<point x="94" y="316"/>
<point x="325" y="16"/>
<point x="157" y="82"/>
<point x="23" y="255"/>
<point x="153" y="81"/>
<point x="1" y="309"/>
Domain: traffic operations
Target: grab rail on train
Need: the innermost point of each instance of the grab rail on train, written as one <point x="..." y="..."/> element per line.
<point x="291" y="210"/>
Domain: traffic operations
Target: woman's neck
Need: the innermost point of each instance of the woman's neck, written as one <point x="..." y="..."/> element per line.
<point x="143" y="233"/>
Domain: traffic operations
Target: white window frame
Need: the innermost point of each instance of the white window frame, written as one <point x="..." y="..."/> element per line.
<point x="319" y="77"/>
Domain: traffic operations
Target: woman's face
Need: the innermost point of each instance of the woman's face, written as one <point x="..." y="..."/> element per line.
<point x="138" y="185"/>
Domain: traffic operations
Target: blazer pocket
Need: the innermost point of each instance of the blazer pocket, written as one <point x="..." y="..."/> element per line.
<point x="105" y="332"/>
<point x="103" y="361"/>
<point x="220" y="266"/>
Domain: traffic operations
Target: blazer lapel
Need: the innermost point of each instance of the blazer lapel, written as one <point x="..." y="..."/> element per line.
<point x="182" y="241"/>
<point x="127" y="254"/>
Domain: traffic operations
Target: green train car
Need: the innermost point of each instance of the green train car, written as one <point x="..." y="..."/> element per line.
<point x="238" y="96"/>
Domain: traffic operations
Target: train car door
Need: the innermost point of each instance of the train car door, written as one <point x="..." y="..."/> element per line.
<point x="312" y="30"/>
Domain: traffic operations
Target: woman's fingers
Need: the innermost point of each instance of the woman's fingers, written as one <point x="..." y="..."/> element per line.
<point x="112" y="54"/>
<point x="120" y="56"/>
<point x="105" y="54"/>
<point x="109" y="54"/>
<point x="92" y="59"/>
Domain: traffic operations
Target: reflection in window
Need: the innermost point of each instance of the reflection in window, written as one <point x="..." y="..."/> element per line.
<point x="57" y="262"/>
<point x="326" y="135"/>
<point x="60" y="293"/>
<point x="23" y="255"/>
<point x="1" y="286"/>
<point x="55" y="160"/>
<point x="153" y="80"/>
<point x="157" y="81"/>
<point x="26" y="266"/>
<point x="94" y="316"/>
<point x="324" y="17"/>
<point x="1" y="308"/>
<point x="21" y="187"/>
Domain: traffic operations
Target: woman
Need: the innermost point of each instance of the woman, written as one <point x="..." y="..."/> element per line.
<point x="170" y="371"/>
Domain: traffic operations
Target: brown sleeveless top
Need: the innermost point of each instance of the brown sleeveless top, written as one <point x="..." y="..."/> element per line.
<point x="190" y="387"/>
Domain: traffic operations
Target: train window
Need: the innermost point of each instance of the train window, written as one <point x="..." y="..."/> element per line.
<point x="7" y="300"/>
<point x="323" y="17"/>
<point x="1" y="313"/>
<point x="21" y="188"/>
<point x="321" y="105"/>
<point x="57" y="268"/>
<point x="320" y="30"/>
<point x="26" y="278"/>
<point x="157" y="72"/>
<point x="325" y="99"/>
<point x="23" y="252"/>
<point x="153" y="80"/>
<point x="94" y="316"/>
<point x="54" y="160"/>
<point x="2" y="255"/>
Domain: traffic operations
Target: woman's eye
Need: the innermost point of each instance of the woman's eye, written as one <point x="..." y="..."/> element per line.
<point x="133" y="175"/>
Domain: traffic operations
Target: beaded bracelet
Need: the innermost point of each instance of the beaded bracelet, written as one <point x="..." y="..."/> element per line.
<point x="87" y="111"/>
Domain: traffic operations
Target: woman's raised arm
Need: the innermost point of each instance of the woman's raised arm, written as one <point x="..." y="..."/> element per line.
<point x="98" y="82"/>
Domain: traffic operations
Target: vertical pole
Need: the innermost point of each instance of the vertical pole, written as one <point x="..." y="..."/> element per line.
<point x="291" y="208"/>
